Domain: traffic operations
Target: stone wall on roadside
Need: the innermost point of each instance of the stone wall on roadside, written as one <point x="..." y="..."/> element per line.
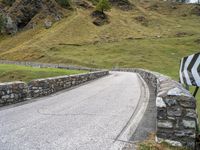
<point x="176" y="110"/>
<point x="46" y="65"/>
<point x="14" y="92"/>
<point x="43" y="87"/>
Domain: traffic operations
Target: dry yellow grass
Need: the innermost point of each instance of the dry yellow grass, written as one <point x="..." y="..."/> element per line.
<point x="150" y="144"/>
<point x="78" y="29"/>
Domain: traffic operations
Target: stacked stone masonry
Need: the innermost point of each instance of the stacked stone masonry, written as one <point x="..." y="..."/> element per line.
<point x="15" y="92"/>
<point x="46" y="65"/>
<point x="176" y="110"/>
<point x="12" y="92"/>
<point x="43" y="87"/>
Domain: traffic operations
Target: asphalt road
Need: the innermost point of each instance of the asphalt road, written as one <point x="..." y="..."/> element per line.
<point x="100" y="115"/>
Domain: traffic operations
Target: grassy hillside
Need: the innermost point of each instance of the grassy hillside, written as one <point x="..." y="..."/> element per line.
<point x="10" y="73"/>
<point x="154" y="35"/>
<point x="157" y="42"/>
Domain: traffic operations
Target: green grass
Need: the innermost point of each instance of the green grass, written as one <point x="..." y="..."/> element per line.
<point x="162" y="55"/>
<point x="198" y="102"/>
<point x="10" y="73"/>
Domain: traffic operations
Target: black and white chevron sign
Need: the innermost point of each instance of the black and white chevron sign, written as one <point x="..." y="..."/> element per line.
<point x="190" y="70"/>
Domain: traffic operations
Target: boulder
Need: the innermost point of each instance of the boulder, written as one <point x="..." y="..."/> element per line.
<point x="100" y="18"/>
<point x="10" y="25"/>
<point x="47" y="24"/>
<point x="122" y="4"/>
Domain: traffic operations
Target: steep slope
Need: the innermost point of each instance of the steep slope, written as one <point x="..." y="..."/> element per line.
<point x="27" y="14"/>
<point x="140" y="37"/>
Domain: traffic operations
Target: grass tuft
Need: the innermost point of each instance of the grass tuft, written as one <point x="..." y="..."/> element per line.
<point x="150" y="144"/>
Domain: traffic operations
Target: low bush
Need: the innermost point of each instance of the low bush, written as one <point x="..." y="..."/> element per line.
<point x="64" y="3"/>
<point x="8" y="2"/>
<point x="103" y="5"/>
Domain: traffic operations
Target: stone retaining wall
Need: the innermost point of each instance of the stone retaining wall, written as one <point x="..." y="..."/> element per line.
<point x="46" y="65"/>
<point x="176" y="110"/>
<point x="14" y="92"/>
<point x="43" y="87"/>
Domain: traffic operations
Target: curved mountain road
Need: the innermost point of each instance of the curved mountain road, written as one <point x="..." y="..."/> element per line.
<point x="100" y="115"/>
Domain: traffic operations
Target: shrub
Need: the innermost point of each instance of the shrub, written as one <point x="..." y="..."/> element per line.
<point x="8" y="2"/>
<point x="64" y="3"/>
<point x="103" y="5"/>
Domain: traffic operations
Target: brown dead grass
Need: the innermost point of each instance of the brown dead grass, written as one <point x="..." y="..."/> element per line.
<point x="150" y="144"/>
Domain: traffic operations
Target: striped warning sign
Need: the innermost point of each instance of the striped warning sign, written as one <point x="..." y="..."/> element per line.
<point x="190" y="70"/>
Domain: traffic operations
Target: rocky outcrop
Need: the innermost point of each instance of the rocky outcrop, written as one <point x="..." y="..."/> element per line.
<point x="27" y="13"/>
<point x="100" y="18"/>
<point x="122" y="4"/>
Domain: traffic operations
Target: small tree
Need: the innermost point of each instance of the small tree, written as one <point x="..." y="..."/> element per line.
<point x="103" y="5"/>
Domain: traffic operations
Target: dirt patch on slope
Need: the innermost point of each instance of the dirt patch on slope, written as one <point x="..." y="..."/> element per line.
<point x="142" y="20"/>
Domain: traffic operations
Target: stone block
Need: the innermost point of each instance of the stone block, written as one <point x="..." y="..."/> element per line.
<point x="160" y="103"/>
<point x="178" y="92"/>
<point x="171" y="142"/>
<point x="161" y="113"/>
<point x="191" y="113"/>
<point x="185" y="133"/>
<point x="171" y="102"/>
<point x="188" y="104"/>
<point x="189" y="124"/>
<point x="165" y="124"/>
<point x="5" y="97"/>
<point x="174" y="111"/>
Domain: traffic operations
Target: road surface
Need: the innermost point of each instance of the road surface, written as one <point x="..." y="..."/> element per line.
<point x="100" y="115"/>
